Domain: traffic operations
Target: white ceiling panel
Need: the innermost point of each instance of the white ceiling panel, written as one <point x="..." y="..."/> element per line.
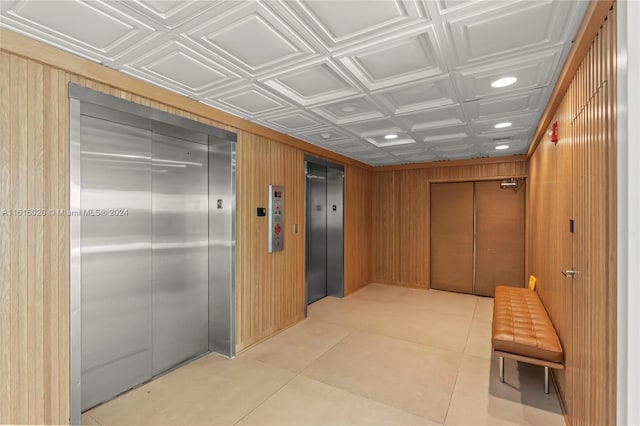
<point x="349" y="110"/>
<point x="426" y="94"/>
<point x="451" y="147"/>
<point x="518" y="122"/>
<point x="500" y="106"/>
<point x="313" y="84"/>
<point x="533" y="71"/>
<point x="510" y="30"/>
<point x="462" y="155"/>
<point x="382" y="142"/>
<point x="396" y="61"/>
<point x="252" y="37"/>
<point x="168" y="13"/>
<point x="377" y="127"/>
<point x="248" y="100"/>
<point x="443" y="135"/>
<point x="88" y="28"/>
<point x="327" y="135"/>
<point x="338" y="74"/>
<point x="293" y="121"/>
<point x="433" y="118"/>
<point x="176" y="65"/>
<point x="445" y="6"/>
<point x="343" y="23"/>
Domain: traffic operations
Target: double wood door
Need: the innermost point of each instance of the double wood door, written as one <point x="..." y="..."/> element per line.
<point x="477" y="236"/>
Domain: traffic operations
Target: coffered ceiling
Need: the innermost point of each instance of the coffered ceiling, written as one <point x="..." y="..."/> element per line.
<point x="344" y="75"/>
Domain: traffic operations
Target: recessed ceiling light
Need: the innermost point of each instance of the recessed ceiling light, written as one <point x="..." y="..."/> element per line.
<point x="391" y="136"/>
<point x="502" y="125"/>
<point x="325" y="136"/>
<point x="348" y="108"/>
<point x="502" y="147"/>
<point x="504" y="82"/>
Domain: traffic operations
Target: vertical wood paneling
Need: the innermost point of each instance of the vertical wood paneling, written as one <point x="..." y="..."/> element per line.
<point x="5" y="246"/>
<point x="577" y="179"/>
<point x="50" y="238"/>
<point x="386" y="242"/>
<point x="270" y="285"/>
<point x="357" y="228"/>
<point x="35" y="242"/>
<point x="18" y="237"/>
<point x="413" y="203"/>
<point x="549" y="243"/>
<point x="401" y="217"/>
<point x="63" y="355"/>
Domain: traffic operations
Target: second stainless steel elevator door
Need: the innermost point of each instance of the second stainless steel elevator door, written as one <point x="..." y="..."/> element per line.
<point x="180" y="206"/>
<point x="316" y="234"/>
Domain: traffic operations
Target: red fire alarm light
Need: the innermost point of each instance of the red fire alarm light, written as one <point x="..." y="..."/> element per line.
<point x="554" y="133"/>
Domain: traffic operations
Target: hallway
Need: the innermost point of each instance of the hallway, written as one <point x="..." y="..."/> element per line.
<point x="374" y="357"/>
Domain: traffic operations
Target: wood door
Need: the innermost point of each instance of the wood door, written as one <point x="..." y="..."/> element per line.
<point x="499" y="236"/>
<point x="452" y="236"/>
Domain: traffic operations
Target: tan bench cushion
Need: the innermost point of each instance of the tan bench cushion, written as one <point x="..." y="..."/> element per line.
<point x="521" y="325"/>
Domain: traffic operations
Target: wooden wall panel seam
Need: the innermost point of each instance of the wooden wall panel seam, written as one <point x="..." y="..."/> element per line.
<point x="5" y="245"/>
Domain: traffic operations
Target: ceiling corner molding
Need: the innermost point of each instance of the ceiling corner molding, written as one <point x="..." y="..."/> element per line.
<point x="593" y="18"/>
<point x="20" y="45"/>
<point x="453" y="163"/>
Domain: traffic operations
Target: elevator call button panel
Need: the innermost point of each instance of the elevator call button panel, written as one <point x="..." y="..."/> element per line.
<point x="276" y="218"/>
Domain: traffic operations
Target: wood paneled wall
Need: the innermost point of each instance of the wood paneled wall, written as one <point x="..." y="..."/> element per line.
<point x="358" y="227"/>
<point x="577" y="180"/>
<point x="34" y="256"/>
<point x="269" y="287"/>
<point x="34" y="251"/>
<point x="401" y="215"/>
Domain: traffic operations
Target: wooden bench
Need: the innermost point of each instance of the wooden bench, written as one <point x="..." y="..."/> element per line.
<point x="522" y="330"/>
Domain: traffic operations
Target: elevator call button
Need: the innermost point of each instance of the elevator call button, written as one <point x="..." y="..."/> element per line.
<point x="276" y="219"/>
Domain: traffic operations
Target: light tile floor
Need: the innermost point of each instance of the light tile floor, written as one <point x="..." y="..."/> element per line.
<point x="382" y="356"/>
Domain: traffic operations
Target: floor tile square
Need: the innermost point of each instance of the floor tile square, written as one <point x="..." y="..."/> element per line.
<point x="208" y="391"/>
<point x="412" y="377"/>
<point x="480" y="399"/>
<point x="304" y="401"/>
<point x="296" y="347"/>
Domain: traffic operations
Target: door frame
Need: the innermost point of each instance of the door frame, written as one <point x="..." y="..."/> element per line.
<point x="334" y="167"/>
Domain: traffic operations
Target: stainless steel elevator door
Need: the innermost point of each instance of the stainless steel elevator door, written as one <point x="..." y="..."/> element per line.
<point x="180" y="205"/>
<point x="116" y="259"/>
<point x="316" y="234"/>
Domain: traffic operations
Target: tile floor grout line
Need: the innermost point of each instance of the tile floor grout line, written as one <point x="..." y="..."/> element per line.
<point x="466" y="342"/>
<point x="296" y="374"/>
<point x="357" y="395"/>
<point x="410" y="341"/>
<point x="453" y="390"/>
<point x="267" y="398"/>
<point x="333" y="346"/>
<point x="319" y="380"/>
<point x="92" y="418"/>
<point x="455" y="383"/>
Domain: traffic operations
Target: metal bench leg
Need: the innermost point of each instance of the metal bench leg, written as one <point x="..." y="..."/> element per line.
<point x="501" y="369"/>
<point x="546" y="380"/>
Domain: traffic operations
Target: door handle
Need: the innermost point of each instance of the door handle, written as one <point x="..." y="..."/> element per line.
<point x="569" y="273"/>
